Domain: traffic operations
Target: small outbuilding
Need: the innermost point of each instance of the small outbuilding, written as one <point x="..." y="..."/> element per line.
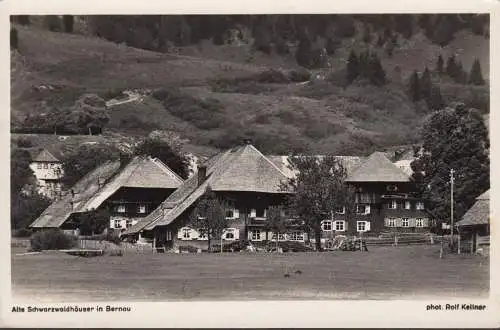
<point x="475" y="224"/>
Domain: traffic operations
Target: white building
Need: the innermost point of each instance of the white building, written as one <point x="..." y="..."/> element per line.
<point x="48" y="172"/>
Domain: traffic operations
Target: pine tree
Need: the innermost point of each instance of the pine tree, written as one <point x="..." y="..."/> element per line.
<point x="377" y="73"/>
<point x="303" y="53"/>
<point x="451" y="66"/>
<point x="435" y="101"/>
<point x="426" y="84"/>
<point x="415" y="87"/>
<point x="475" y="76"/>
<point x="440" y="64"/>
<point x="367" y="37"/>
<point x="352" y="67"/>
<point x="460" y="75"/>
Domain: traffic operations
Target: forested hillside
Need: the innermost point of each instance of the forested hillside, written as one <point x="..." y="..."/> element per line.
<point x="347" y="84"/>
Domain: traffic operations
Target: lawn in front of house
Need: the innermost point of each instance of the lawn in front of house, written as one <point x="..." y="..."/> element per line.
<point x="402" y="272"/>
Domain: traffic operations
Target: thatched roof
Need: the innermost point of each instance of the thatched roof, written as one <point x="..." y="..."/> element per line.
<point x="283" y="162"/>
<point x="378" y="168"/>
<point x="59" y="211"/>
<point x="238" y="169"/>
<point x="479" y="213"/>
<point x="97" y="186"/>
<point x="45" y="156"/>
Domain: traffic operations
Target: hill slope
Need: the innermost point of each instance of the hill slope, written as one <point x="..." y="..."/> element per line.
<point x="54" y="69"/>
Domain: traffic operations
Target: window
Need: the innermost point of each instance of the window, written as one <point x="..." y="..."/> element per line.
<point x="327" y="225"/>
<point x="260" y="213"/>
<point x="362" y="226"/>
<point x="407" y="205"/>
<point x="39" y="166"/>
<point x="420" y="206"/>
<point x="419" y="222"/>
<point x="45" y="166"/>
<point x="362" y="209"/>
<point x="186" y="233"/>
<point x="51" y="165"/>
<point x="393" y="205"/>
<point x="405" y="222"/>
<point x="339" y="225"/>
<point x="117" y="224"/>
<point x="391" y="222"/>
<point x="340" y="210"/>
<point x="141" y="209"/>
<point x="256" y="235"/>
<point x="296" y="236"/>
<point x="281" y="236"/>
<point x="391" y="188"/>
<point x="253" y="213"/>
<point x="230" y="214"/>
<point x="129" y="223"/>
<point x="120" y="208"/>
<point x="229" y="234"/>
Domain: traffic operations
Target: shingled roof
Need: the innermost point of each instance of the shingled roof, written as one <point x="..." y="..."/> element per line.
<point x="140" y="172"/>
<point x="479" y="213"/>
<point x="239" y="169"/>
<point x="378" y="168"/>
<point x="45" y="156"/>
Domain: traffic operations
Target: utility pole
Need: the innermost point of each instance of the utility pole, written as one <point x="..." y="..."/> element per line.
<point x="452" y="181"/>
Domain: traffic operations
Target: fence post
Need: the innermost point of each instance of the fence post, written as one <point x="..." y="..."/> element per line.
<point x="395" y="240"/>
<point x="432" y="239"/>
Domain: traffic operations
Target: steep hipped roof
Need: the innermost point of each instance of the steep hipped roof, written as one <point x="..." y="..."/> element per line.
<point x="378" y="168"/>
<point x="479" y="213"/>
<point x="45" y="156"/>
<point x="283" y="162"/>
<point x="59" y="211"/>
<point x="140" y="172"/>
<point x="238" y="169"/>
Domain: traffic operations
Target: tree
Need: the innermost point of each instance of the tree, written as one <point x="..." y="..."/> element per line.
<point x="23" y="19"/>
<point x="318" y="189"/>
<point x="367" y="37"/>
<point x="435" y="101"/>
<point x="85" y="159"/>
<point x="68" y="21"/>
<point x="415" y="87"/>
<point x="475" y="75"/>
<point x="276" y="221"/>
<point x="93" y="222"/>
<point x="157" y="148"/>
<point x="452" y="139"/>
<point x="209" y="216"/>
<point x="426" y="84"/>
<point x="451" y="66"/>
<point x="87" y="115"/>
<point x="20" y="172"/>
<point x="352" y="67"/>
<point x="52" y="23"/>
<point x="460" y="75"/>
<point x="14" y="40"/>
<point x="440" y="64"/>
<point x="376" y="71"/>
<point x="24" y="209"/>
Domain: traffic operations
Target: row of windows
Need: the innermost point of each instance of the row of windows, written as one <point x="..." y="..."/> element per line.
<point x="44" y="166"/>
<point x="341" y="225"/>
<point x="118" y="224"/>
<point x="260" y="235"/>
<point x="135" y="208"/>
<point x="406" y="222"/>
<point x="393" y="205"/>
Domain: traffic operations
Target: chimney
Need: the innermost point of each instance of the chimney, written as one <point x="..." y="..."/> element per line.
<point x="202" y="174"/>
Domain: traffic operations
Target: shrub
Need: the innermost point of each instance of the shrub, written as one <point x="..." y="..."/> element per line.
<point x="273" y="76"/>
<point x="14" y="39"/>
<point x="52" y="240"/>
<point x="53" y="23"/>
<point x="299" y="75"/>
<point x="22" y="233"/>
<point x="24" y="143"/>
<point x="135" y="123"/>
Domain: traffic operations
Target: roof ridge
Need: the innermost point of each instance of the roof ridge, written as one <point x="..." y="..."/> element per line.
<point x="268" y="160"/>
<point x="164" y="167"/>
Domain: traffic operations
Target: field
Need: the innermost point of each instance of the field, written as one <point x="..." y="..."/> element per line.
<point x="404" y="272"/>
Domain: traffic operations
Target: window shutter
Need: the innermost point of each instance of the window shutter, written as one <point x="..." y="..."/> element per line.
<point x="367" y="225"/>
<point x="412" y="222"/>
<point x="179" y="233"/>
<point x="425" y="222"/>
<point x="346" y="225"/>
<point x="367" y="209"/>
<point x="398" y="222"/>
<point x="249" y="235"/>
<point x="236" y="213"/>
<point x="236" y="234"/>
<point x="386" y="222"/>
<point x="253" y="213"/>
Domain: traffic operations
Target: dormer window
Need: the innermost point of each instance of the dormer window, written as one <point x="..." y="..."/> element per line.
<point x="39" y="166"/>
<point x="45" y="166"/>
<point x="392" y="187"/>
<point x="393" y="205"/>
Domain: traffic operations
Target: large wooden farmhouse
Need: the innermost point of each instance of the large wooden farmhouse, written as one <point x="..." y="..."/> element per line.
<point x="243" y="176"/>
<point x="128" y="191"/>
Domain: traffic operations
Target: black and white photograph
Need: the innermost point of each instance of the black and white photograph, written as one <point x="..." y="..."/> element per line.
<point x="250" y="157"/>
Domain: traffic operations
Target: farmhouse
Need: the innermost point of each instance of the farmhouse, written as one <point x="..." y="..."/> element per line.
<point x="128" y="191"/>
<point x="385" y="199"/>
<point x="48" y="173"/>
<point x="475" y="223"/>
<point x="243" y="176"/>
